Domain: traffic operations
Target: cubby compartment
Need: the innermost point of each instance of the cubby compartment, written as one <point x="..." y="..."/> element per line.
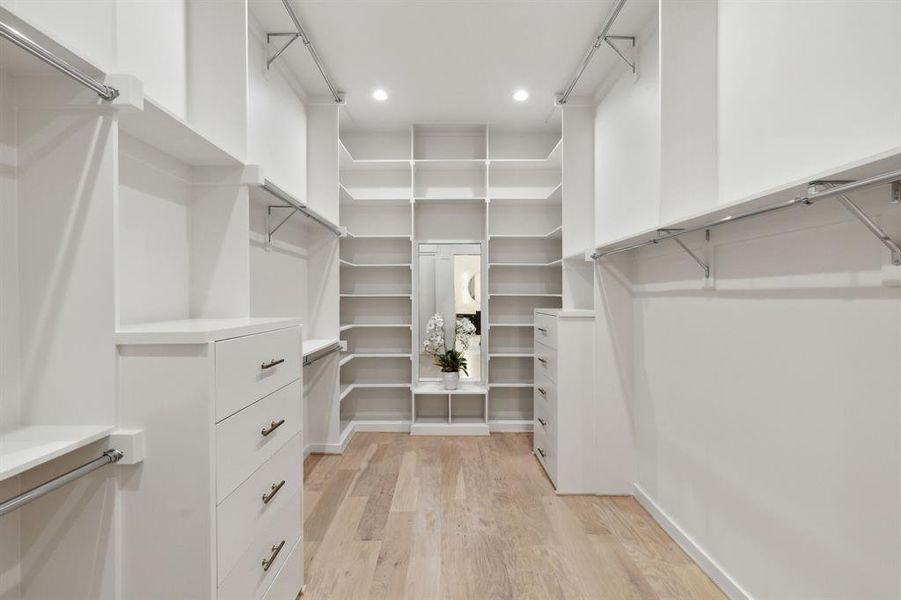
<point x="519" y="309"/>
<point x="511" y="372"/>
<point x="370" y="340"/>
<point x="510" y="340"/>
<point x="364" y="218"/>
<point x="524" y="251"/>
<point x="432" y="408"/>
<point x="519" y="280"/>
<point x="376" y="250"/>
<point x="450" y="142"/>
<point x="376" y="310"/>
<point x="370" y="280"/>
<point x="358" y="148"/>
<point x="535" y="146"/>
<point x="510" y="403"/>
<point x="376" y="404"/>
<point x="394" y="183"/>
<point x="457" y="220"/>
<point x="516" y="181"/>
<point x="524" y="218"/>
<point x="468" y="408"/>
<point x="449" y="180"/>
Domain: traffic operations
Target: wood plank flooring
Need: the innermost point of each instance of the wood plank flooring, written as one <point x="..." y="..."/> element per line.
<point x="401" y="517"/>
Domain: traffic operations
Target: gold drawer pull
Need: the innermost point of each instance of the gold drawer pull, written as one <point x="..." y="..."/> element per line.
<point x="272" y="427"/>
<point x="272" y="363"/>
<point x="540" y="420"/>
<point x="541" y="391"/>
<point x="273" y="491"/>
<point x="542" y="361"/>
<point x="267" y="562"/>
<point x="541" y="452"/>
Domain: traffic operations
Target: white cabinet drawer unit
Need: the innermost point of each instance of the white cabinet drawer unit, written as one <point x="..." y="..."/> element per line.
<point x="217" y="504"/>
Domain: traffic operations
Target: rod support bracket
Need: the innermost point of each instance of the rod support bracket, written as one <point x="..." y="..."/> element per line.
<point x="270" y="230"/>
<point x="630" y="59"/>
<point x="896" y="192"/>
<point x="701" y="263"/>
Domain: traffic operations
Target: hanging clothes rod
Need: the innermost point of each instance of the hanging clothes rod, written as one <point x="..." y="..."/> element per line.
<point x="811" y="197"/>
<point x="297" y="206"/>
<point x="25" y="43"/>
<point x="107" y="458"/>
<point x="598" y="42"/>
<point x="309" y="361"/>
<point x="303" y="37"/>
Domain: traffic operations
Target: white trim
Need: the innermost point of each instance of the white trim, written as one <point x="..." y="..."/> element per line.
<point x="510" y="425"/>
<point x="449" y="429"/>
<point x="713" y="570"/>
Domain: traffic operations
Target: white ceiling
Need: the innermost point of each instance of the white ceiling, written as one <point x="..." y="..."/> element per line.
<point x="450" y="61"/>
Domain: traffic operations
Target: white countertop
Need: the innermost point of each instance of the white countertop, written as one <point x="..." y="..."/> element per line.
<point x="199" y="331"/>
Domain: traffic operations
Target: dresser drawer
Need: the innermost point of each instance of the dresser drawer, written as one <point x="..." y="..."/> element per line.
<point x="545" y="362"/>
<point x="546" y="390"/>
<point x="253" y="366"/>
<point x="249" y="438"/>
<point x="545" y="420"/>
<point x="273" y="541"/>
<point x="546" y="329"/>
<point x="289" y="581"/>
<point x="546" y="454"/>
<point x="266" y="492"/>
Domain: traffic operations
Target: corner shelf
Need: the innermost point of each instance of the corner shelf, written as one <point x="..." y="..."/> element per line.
<point x="437" y="388"/>
<point x="350" y="326"/>
<point x="347" y="388"/>
<point x="347" y="263"/>
<point x="349" y="357"/>
<point x="28" y="447"/>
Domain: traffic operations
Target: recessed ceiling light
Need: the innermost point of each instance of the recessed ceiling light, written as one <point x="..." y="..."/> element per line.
<point x="520" y="95"/>
<point x="380" y="94"/>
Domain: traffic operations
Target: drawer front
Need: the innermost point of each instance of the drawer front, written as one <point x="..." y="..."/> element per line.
<point x="251" y="367"/>
<point x="546" y="390"/>
<point x="267" y="491"/>
<point x="246" y="440"/>
<point x="277" y="536"/>
<point x="545" y="362"/>
<point x="545" y="420"/>
<point x="289" y="581"/>
<point x="546" y="329"/>
<point x="546" y="454"/>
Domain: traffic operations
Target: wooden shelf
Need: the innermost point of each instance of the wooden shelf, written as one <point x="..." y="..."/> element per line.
<point x="31" y="446"/>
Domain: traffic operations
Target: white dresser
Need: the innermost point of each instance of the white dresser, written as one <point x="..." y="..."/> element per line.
<point x="215" y="510"/>
<point x="565" y="411"/>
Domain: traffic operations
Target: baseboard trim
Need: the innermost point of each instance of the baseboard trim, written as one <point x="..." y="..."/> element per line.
<point x="713" y="570"/>
<point x="510" y="425"/>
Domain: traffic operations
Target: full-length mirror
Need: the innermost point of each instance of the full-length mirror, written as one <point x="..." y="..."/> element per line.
<point x="450" y="307"/>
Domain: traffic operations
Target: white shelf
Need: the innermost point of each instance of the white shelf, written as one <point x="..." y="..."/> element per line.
<point x="198" y="331"/>
<point x="510" y="355"/>
<point x="349" y="163"/>
<point x="347" y="388"/>
<point x="490" y="325"/>
<point x="28" y="447"/>
<point x="553" y="157"/>
<point x="347" y="263"/>
<point x="379" y="236"/>
<point x="158" y="127"/>
<point x="349" y="357"/>
<point x="452" y="198"/>
<point x="553" y="234"/>
<point x="352" y="199"/>
<point x="437" y="388"/>
<point x="511" y="384"/>
<point x="311" y="347"/>
<point x="511" y="295"/>
<point x="420" y="427"/>
<point x="555" y="196"/>
<point x="409" y="296"/>
<point x="553" y="263"/>
<point x="375" y="326"/>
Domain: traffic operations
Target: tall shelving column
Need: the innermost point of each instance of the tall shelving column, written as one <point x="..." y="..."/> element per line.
<point x="449" y="205"/>
<point x="376" y="295"/>
<point x="525" y="234"/>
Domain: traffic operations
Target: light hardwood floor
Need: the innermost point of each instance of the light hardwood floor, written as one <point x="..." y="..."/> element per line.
<point x="427" y="518"/>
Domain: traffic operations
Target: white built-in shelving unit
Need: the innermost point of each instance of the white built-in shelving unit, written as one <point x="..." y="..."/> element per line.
<point x="445" y="184"/>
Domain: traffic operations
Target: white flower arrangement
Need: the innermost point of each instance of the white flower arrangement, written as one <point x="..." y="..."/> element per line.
<point x="450" y="360"/>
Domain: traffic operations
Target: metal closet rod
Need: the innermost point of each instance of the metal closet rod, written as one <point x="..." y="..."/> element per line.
<point x="806" y="199"/>
<point x="598" y="42"/>
<point x="107" y="458"/>
<point x="24" y="42"/>
<point x="301" y="208"/>
<point x="312" y="50"/>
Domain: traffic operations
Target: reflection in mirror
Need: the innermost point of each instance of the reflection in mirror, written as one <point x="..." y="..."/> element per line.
<point x="450" y="284"/>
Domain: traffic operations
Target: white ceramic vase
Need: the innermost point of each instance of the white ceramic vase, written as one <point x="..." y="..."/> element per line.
<point x="451" y="380"/>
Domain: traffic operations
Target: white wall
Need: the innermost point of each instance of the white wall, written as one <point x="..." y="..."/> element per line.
<point x="627" y="148"/>
<point x="804" y="87"/>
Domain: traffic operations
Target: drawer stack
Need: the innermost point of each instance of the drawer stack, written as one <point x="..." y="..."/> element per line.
<point x="218" y="502"/>
<point x="563" y="438"/>
<point x="258" y="473"/>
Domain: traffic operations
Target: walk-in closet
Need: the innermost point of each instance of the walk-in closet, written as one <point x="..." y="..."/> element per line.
<point x="404" y="300"/>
